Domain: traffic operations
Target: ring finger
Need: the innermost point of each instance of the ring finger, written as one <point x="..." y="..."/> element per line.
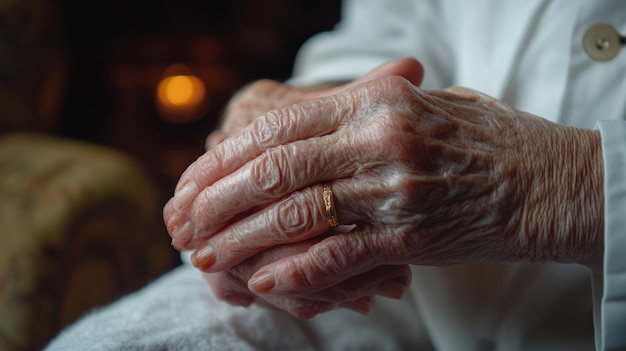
<point x="302" y="215"/>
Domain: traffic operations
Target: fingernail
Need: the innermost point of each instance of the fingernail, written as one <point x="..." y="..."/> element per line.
<point x="239" y="299"/>
<point x="204" y="258"/>
<point x="262" y="283"/>
<point x="362" y="305"/>
<point x="392" y="289"/>
<point x="184" y="197"/>
<point x="181" y="236"/>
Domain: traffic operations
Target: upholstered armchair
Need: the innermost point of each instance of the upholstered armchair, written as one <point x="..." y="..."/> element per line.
<point x="80" y="224"/>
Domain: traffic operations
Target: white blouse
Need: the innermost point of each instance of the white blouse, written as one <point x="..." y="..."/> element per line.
<point x="529" y="54"/>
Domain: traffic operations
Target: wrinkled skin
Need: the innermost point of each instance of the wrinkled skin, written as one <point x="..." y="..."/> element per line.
<point x="356" y="293"/>
<point x="427" y="177"/>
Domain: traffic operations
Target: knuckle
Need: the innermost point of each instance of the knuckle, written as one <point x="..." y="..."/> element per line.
<point x="270" y="172"/>
<point x="346" y="103"/>
<point x="396" y="87"/>
<point x="267" y="128"/>
<point x="292" y="217"/>
<point x="399" y="83"/>
<point x="272" y="127"/>
<point x="332" y="256"/>
<point x="349" y="255"/>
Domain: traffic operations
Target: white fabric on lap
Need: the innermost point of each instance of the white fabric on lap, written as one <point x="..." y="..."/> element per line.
<point x="179" y="312"/>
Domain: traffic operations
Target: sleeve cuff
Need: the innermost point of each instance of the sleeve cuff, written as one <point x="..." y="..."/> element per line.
<point x="610" y="288"/>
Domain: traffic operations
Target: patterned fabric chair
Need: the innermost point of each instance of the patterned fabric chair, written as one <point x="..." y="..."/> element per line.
<point x="80" y="225"/>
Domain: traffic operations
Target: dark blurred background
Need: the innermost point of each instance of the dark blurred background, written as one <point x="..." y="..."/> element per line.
<point x="80" y="225"/>
<point x="89" y="70"/>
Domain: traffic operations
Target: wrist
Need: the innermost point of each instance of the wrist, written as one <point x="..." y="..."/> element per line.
<point x="589" y="234"/>
<point x="565" y="201"/>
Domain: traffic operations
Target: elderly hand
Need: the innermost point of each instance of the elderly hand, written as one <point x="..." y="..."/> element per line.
<point x="358" y="292"/>
<point x="439" y="177"/>
<point x="265" y="95"/>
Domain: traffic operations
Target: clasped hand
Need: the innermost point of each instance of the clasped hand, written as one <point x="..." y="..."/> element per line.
<point x="422" y="177"/>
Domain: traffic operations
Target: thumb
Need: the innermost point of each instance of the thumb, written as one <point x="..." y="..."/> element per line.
<point x="408" y="67"/>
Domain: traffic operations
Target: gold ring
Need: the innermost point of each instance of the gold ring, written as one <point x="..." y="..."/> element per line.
<point x="329" y="204"/>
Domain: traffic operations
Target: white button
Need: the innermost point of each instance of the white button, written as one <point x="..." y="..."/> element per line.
<point x="602" y="42"/>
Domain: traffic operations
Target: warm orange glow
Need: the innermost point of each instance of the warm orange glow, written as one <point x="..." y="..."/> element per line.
<point x="181" y="96"/>
<point x="181" y="90"/>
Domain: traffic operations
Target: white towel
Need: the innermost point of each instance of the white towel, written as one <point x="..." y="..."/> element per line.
<point x="179" y="312"/>
<point x="483" y="307"/>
